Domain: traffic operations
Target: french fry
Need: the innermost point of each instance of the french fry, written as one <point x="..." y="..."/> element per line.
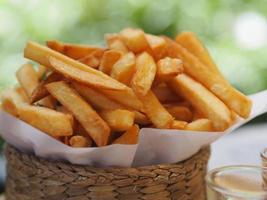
<point x="135" y="40"/>
<point x="157" y="44"/>
<point x="200" y="125"/>
<point x="165" y="94"/>
<point x="155" y="111"/>
<point x="11" y="100"/>
<point x="180" y="113"/>
<point x="180" y="125"/>
<point x="97" y="99"/>
<point x="129" y="137"/>
<point x="203" y="101"/>
<point x="118" y="120"/>
<point x="27" y="78"/>
<point x="49" y="121"/>
<point x="75" y="51"/>
<point x="40" y="91"/>
<point x="48" y="102"/>
<point x="126" y="98"/>
<point x="64" y="110"/>
<point x="93" y="59"/>
<point x="70" y="68"/>
<point x="168" y="68"/>
<point x="141" y="118"/>
<point x="22" y="93"/>
<point x="190" y="41"/>
<point x="79" y="141"/>
<point x="96" y="127"/>
<point x="41" y="72"/>
<point x="144" y="75"/>
<point x="115" y="43"/>
<point x="124" y="69"/>
<point x="234" y="99"/>
<point x="109" y="58"/>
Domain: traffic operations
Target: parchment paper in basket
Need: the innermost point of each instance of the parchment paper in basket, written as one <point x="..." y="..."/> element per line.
<point x="155" y="146"/>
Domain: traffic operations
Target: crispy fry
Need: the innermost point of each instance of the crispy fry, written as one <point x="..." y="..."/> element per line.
<point x="118" y="120"/>
<point x="93" y="59"/>
<point x="200" y="125"/>
<point x="41" y="72"/>
<point x="109" y="58"/>
<point x="49" y="121"/>
<point x="115" y="43"/>
<point x="79" y="141"/>
<point x="124" y="69"/>
<point x="203" y="101"/>
<point x="129" y="137"/>
<point x="141" y="118"/>
<point x="83" y="112"/>
<point x="157" y="114"/>
<point x="190" y="41"/>
<point x="144" y="75"/>
<point x="157" y="44"/>
<point x="27" y="78"/>
<point x="48" y="102"/>
<point x="234" y="99"/>
<point x="180" y="125"/>
<point x="165" y="94"/>
<point x="126" y="98"/>
<point x="70" y="68"/>
<point x="180" y="113"/>
<point x="64" y="110"/>
<point x="98" y="100"/>
<point x="40" y="91"/>
<point x="75" y="51"/>
<point x="135" y="40"/>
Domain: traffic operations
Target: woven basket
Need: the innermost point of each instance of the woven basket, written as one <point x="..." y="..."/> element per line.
<point x="32" y="178"/>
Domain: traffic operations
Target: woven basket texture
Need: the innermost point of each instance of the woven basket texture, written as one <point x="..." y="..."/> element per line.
<point x="33" y="178"/>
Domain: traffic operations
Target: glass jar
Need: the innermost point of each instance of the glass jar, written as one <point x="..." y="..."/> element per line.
<point x="239" y="182"/>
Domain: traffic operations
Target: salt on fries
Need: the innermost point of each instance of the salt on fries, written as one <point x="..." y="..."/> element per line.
<point x="85" y="96"/>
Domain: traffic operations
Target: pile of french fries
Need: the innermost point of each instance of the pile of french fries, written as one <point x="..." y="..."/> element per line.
<point x="86" y="95"/>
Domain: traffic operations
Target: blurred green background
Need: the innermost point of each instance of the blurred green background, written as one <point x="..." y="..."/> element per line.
<point x="235" y="31"/>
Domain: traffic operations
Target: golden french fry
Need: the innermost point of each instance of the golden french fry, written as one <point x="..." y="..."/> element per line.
<point x="75" y="51"/>
<point x="93" y="59"/>
<point x="180" y="125"/>
<point x="141" y="118"/>
<point x="118" y="120"/>
<point x="190" y="41"/>
<point x="115" y="43"/>
<point x="155" y="111"/>
<point x="124" y="69"/>
<point x="180" y="113"/>
<point x="203" y="101"/>
<point x="135" y="40"/>
<point x="41" y="72"/>
<point x="144" y="75"/>
<point x="234" y="99"/>
<point x="49" y="121"/>
<point x="64" y="110"/>
<point x="157" y="44"/>
<point x="168" y="68"/>
<point x="165" y="94"/>
<point x="129" y="137"/>
<point x="27" y="78"/>
<point x="22" y="93"/>
<point x="126" y="98"/>
<point x="11" y="100"/>
<point x="79" y="141"/>
<point x="48" y="102"/>
<point x="70" y="68"/>
<point x="96" y="127"/>
<point x="98" y="100"/>
<point x="200" y="125"/>
<point x="109" y="58"/>
<point x="40" y="91"/>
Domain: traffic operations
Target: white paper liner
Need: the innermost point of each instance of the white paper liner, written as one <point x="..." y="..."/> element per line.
<point x="155" y="146"/>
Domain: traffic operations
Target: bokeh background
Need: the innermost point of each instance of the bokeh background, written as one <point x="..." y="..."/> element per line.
<point x="235" y="31"/>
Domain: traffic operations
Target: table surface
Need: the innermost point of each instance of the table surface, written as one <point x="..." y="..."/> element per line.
<point x="240" y="147"/>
